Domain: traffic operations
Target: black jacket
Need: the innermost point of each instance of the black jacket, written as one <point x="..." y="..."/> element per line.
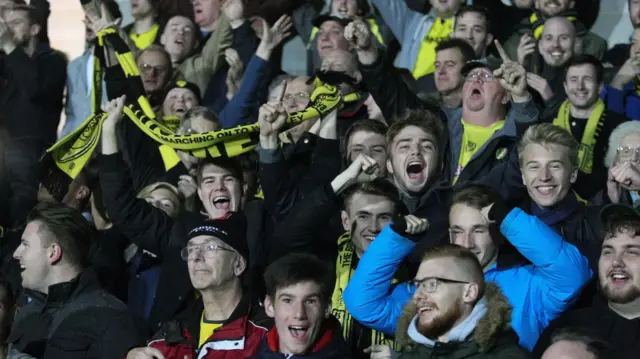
<point x="76" y="319"/>
<point x="622" y="335"/>
<point x="154" y="231"/>
<point x="329" y="345"/>
<point x="40" y="80"/>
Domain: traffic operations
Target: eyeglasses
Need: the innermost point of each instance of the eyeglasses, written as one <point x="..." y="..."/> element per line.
<point x="298" y="97"/>
<point x="482" y="76"/>
<point x="158" y="69"/>
<point x="207" y="250"/>
<point x="431" y="284"/>
<point x="627" y="153"/>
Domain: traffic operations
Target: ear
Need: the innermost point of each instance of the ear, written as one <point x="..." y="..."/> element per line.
<point x="200" y="194"/>
<point x="389" y="166"/>
<point x="163" y="38"/>
<point x="54" y="253"/>
<point x="523" y="180"/>
<point x="574" y="176"/>
<point x="268" y="307"/>
<point x="82" y="193"/>
<point x="566" y="88"/>
<point x="600" y="88"/>
<point x="239" y="265"/>
<point x="346" y="222"/>
<point x="328" y="311"/>
<point x="245" y="189"/>
<point x="34" y="30"/>
<point x="471" y="293"/>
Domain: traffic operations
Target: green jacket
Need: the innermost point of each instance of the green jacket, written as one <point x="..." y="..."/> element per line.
<point x="492" y="339"/>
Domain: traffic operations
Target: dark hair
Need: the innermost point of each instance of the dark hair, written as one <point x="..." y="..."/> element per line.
<point x="616" y="224"/>
<point x="423" y="119"/>
<point x="32" y="12"/>
<point x="230" y="164"/>
<point x="475" y="195"/>
<point x="377" y="187"/>
<point x="465" y="49"/>
<point x="297" y="268"/>
<point x="595" y="346"/>
<point x="483" y="11"/>
<point x="586" y="59"/>
<point x="66" y="227"/>
<point x="369" y="125"/>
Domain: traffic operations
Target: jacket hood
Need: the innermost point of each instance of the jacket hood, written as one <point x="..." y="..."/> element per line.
<point x="488" y="330"/>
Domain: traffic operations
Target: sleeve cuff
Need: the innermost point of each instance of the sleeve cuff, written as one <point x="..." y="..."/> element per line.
<point x="270" y="156"/>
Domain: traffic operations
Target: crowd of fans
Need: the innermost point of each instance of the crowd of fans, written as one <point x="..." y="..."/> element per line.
<point x="451" y="179"/>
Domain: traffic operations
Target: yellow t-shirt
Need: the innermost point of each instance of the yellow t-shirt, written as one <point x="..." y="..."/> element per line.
<point x="145" y="39"/>
<point x="426" y="61"/>
<point x="206" y="329"/>
<point x="473" y="138"/>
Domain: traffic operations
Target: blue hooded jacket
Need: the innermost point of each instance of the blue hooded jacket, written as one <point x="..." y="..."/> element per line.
<point x="538" y="292"/>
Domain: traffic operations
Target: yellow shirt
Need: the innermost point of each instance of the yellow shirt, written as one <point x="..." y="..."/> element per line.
<point x="473" y="138"/>
<point x="206" y="329"/>
<point x="145" y="39"/>
<point x="426" y="61"/>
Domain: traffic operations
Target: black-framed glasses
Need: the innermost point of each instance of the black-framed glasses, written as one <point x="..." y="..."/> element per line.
<point x="431" y="284"/>
<point x="206" y="250"/>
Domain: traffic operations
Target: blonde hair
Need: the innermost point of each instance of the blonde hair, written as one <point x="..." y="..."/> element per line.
<point x="146" y="192"/>
<point x="545" y="134"/>
<point x="615" y="139"/>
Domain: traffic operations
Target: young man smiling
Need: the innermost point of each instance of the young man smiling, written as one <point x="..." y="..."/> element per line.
<point x="298" y="299"/>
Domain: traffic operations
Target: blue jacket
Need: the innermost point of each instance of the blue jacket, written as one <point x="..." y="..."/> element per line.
<point x="625" y="102"/>
<point x="538" y="292"/>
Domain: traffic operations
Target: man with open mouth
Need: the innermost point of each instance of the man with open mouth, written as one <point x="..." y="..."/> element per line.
<point x="298" y="299"/>
<point x="615" y="319"/>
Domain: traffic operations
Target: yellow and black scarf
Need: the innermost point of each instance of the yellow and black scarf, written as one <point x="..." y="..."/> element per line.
<point x="344" y="270"/>
<point x="66" y="159"/>
<point x="591" y="132"/>
<point x="537" y="22"/>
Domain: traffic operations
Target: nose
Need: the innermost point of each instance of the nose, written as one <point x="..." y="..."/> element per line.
<point x="300" y="311"/>
<point x="617" y="261"/>
<point x="377" y="225"/>
<point x="17" y="252"/>
<point x="469" y="242"/>
<point x="415" y="148"/>
<point x="545" y="174"/>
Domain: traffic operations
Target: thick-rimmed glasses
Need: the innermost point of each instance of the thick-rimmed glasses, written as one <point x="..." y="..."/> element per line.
<point x="206" y="250"/>
<point x="431" y="284"/>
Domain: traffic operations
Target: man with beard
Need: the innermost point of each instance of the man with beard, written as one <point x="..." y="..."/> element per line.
<point x="539" y="291"/>
<point x="623" y="94"/>
<point x="454" y="313"/>
<point x="531" y="28"/>
<point x="79" y="83"/>
<point x="588" y="120"/>
<point x="37" y="76"/>
<point x="615" y="319"/>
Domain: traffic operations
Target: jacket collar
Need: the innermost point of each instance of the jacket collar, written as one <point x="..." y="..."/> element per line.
<point x="60" y="293"/>
<point x="323" y="342"/>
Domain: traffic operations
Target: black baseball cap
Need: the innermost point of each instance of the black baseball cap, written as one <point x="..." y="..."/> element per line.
<point x="230" y="229"/>
<point x="321" y="19"/>
<point x="490" y="62"/>
<point x="182" y="84"/>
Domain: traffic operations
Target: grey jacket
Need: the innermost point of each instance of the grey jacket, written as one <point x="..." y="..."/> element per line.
<point x="78" y="103"/>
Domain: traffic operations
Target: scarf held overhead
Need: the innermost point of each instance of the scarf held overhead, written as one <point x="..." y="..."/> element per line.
<point x="72" y="152"/>
<point x="590" y="135"/>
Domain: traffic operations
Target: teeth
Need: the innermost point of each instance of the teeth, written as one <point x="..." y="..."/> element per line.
<point x="426" y="309"/>
<point x="545" y="188"/>
<point x="297" y="327"/>
<point x="620" y="276"/>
